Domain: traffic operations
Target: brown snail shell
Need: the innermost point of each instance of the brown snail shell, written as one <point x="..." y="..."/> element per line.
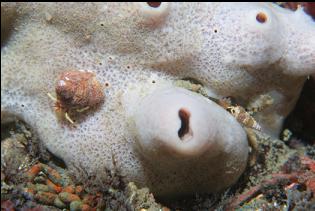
<point x="78" y="90"/>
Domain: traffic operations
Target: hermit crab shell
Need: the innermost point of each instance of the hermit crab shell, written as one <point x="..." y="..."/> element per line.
<point x="78" y="89"/>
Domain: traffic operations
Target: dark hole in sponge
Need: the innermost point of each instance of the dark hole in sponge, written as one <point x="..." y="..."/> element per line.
<point x="154" y="4"/>
<point x="184" y="129"/>
<point x="261" y="17"/>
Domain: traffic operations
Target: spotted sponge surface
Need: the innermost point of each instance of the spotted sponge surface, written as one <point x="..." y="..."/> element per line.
<point x="133" y="47"/>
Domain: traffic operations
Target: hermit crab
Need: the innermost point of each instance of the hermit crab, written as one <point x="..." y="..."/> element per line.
<point x="76" y="91"/>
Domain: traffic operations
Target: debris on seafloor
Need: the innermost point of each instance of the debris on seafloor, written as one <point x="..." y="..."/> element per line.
<point x="286" y="135"/>
<point x="290" y="184"/>
<point x="142" y="199"/>
<point x="33" y="179"/>
<point x="48" y="187"/>
<point x="281" y="185"/>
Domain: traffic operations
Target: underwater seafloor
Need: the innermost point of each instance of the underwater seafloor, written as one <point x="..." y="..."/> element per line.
<point x="280" y="174"/>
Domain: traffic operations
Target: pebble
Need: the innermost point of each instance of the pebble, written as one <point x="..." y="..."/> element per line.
<point x="76" y="206"/>
<point x="52" y="174"/>
<point x="69" y="189"/>
<point x="40" y="179"/>
<point x="58" y="203"/>
<point x="52" y="187"/>
<point x="41" y="187"/>
<point x="45" y="197"/>
<point x="68" y="197"/>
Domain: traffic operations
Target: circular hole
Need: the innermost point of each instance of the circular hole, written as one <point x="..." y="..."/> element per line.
<point x="106" y="84"/>
<point x="215" y="31"/>
<point x="102" y="24"/>
<point x="154" y="4"/>
<point x="100" y="63"/>
<point x="128" y="67"/>
<point x="261" y="17"/>
<point x="22" y="105"/>
<point x="153" y="81"/>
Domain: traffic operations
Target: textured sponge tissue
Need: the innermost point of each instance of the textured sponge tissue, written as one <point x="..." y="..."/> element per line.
<point x="163" y="137"/>
<point x="189" y="141"/>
